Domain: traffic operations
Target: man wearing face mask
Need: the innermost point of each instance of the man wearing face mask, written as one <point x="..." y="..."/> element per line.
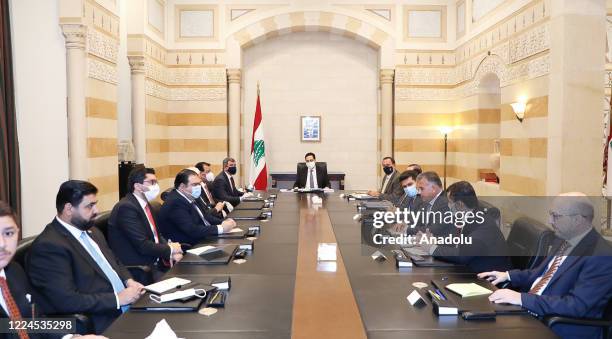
<point x="224" y="186"/>
<point x="219" y="208"/>
<point x="390" y="188"/>
<point x="133" y="233"/>
<point x="434" y="203"/>
<point x="409" y="199"/>
<point x="180" y="218"/>
<point x="71" y="265"/>
<point x="313" y="175"/>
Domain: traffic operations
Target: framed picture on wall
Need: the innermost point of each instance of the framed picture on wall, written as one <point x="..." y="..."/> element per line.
<point x="311" y="128"/>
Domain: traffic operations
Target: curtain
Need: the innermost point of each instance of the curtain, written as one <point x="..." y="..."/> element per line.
<point x="9" y="146"/>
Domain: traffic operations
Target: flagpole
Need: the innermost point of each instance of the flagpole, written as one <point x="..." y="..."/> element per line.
<point x="608" y="230"/>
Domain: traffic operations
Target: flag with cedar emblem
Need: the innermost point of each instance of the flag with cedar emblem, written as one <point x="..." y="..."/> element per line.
<point x="259" y="171"/>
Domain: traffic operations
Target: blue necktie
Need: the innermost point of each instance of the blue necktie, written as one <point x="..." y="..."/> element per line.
<point x="108" y="270"/>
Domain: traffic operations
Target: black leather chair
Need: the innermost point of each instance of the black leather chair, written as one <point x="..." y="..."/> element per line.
<point x="605" y="323"/>
<point x="529" y="242"/>
<point x="22" y="251"/>
<point x="491" y="211"/>
<point x="164" y="194"/>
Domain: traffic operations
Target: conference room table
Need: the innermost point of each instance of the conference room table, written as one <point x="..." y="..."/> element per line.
<point x="283" y="291"/>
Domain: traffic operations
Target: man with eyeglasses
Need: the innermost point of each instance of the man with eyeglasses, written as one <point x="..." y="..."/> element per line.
<point x="575" y="281"/>
<point x="133" y="232"/>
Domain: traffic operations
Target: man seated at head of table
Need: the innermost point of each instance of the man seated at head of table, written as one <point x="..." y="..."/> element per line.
<point x="487" y="249"/>
<point x="575" y="281"/>
<point x="180" y="218"/>
<point x="71" y="265"/>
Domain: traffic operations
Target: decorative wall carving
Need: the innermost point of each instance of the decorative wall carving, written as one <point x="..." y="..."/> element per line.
<point x="75" y="34"/>
<point x="103" y="46"/>
<point x="530" y="43"/>
<point x="184" y="94"/>
<point x="100" y="70"/>
<point x="178" y="76"/>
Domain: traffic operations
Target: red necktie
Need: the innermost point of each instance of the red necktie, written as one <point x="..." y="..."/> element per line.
<point x="551" y="270"/>
<point x="152" y="221"/>
<point x="11" y="305"/>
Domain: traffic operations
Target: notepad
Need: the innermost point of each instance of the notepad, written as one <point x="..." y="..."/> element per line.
<point x="200" y="250"/>
<point x="236" y="230"/>
<point x="468" y="289"/>
<point x="166" y="285"/>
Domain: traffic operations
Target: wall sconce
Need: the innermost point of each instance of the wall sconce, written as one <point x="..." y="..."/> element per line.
<point x="519" y="108"/>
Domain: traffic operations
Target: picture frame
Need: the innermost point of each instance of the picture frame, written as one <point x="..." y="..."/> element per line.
<point x="310" y="128"/>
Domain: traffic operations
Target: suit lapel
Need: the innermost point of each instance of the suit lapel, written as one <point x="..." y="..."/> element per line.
<point x="76" y="245"/>
<point x="584" y="247"/>
<point x="18" y="291"/>
<point x="143" y="216"/>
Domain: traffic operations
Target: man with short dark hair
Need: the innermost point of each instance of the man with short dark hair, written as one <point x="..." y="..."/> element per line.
<point x="181" y="220"/>
<point x="487" y="250"/>
<point x="133" y="233"/>
<point x="415" y="167"/>
<point x="390" y="188"/>
<point x="409" y="199"/>
<point x="219" y="208"/>
<point x="71" y="265"/>
<point x="313" y="175"/>
<point x="224" y="186"/>
<point x="434" y="204"/>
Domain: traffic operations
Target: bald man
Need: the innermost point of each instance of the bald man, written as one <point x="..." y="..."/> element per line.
<point x="576" y="281"/>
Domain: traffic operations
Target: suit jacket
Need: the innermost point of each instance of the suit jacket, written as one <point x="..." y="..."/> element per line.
<point x="302" y="175"/>
<point x="209" y="205"/>
<point x="580" y="288"/>
<point x="394" y="190"/>
<point x="211" y="214"/>
<point x="20" y="287"/>
<point x="488" y="251"/>
<point x="131" y="238"/>
<point x="222" y="190"/>
<point x="180" y="221"/>
<point x="404" y="202"/>
<point x="436" y="226"/>
<point x="69" y="280"/>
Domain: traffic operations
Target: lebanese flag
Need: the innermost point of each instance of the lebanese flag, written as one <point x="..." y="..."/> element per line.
<point x="259" y="171"/>
<point x="607" y="169"/>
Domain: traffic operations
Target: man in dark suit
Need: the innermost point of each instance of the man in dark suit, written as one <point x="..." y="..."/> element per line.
<point x="313" y="175"/>
<point x="181" y="220"/>
<point x="487" y="250"/>
<point x="574" y="281"/>
<point x="71" y="265"/>
<point x="132" y="229"/>
<point x="218" y="208"/>
<point x="409" y="198"/>
<point x="14" y="285"/>
<point x="434" y="205"/>
<point x="390" y="188"/>
<point x="224" y="186"/>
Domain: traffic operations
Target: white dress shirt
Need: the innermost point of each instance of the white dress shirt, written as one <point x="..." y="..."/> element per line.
<point x="2" y="301"/>
<point x="386" y="182"/>
<point x="314" y="177"/>
<point x="219" y="227"/>
<point x="76" y="233"/>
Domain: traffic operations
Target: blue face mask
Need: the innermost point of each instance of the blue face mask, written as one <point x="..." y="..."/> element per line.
<point x="411" y="191"/>
<point x="196" y="191"/>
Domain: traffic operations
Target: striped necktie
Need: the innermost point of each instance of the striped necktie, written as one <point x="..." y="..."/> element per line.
<point x="556" y="263"/>
<point x="12" y="308"/>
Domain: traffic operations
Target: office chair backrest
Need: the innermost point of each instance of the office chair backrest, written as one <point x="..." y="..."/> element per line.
<point x="164" y="194"/>
<point x="491" y="211"/>
<point x="529" y="242"/>
<point x="303" y="164"/>
<point x="23" y="249"/>
<point x="155" y="207"/>
<point x="101" y="223"/>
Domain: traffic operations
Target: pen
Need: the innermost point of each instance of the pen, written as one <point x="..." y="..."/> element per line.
<point x="433" y="295"/>
<point x="438" y="292"/>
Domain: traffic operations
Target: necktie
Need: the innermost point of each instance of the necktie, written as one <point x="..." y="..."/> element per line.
<point x="233" y="184"/>
<point x="551" y="270"/>
<point x="210" y="198"/>
<point x="206" y="223"/>
<point x="312" y="185"/>
<point x="152" y="221"/>
<point x="108" y="270"/>
<point x="11" y="305"/>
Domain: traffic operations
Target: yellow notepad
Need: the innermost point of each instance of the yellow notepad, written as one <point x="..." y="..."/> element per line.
<point x="468" y="289"/>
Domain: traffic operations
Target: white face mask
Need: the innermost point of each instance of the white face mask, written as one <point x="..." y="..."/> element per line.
<point x="310" y="164"/>
<point x="200" y="293"/>
<point x="210" y="176"/>
<point x="152" y="193"/>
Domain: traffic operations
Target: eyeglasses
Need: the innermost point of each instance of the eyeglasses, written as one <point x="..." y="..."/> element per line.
<point x="556" y="216"/>
<point x="152" y="182"/>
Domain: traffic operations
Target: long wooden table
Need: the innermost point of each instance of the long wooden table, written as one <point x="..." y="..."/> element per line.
<point x="283" y="292"/>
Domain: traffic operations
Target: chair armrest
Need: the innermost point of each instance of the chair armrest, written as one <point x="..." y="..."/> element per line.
<point x="552" y="320"/>
<point x="143" y="268"/>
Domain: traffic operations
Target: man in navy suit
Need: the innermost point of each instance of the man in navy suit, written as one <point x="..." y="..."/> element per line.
<point x="180" y="218"/>
<point x="71" y="265"/>
<point x="18" y="290"/>
<point x="575" y="281"/>
<point x="224" y="187"/>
